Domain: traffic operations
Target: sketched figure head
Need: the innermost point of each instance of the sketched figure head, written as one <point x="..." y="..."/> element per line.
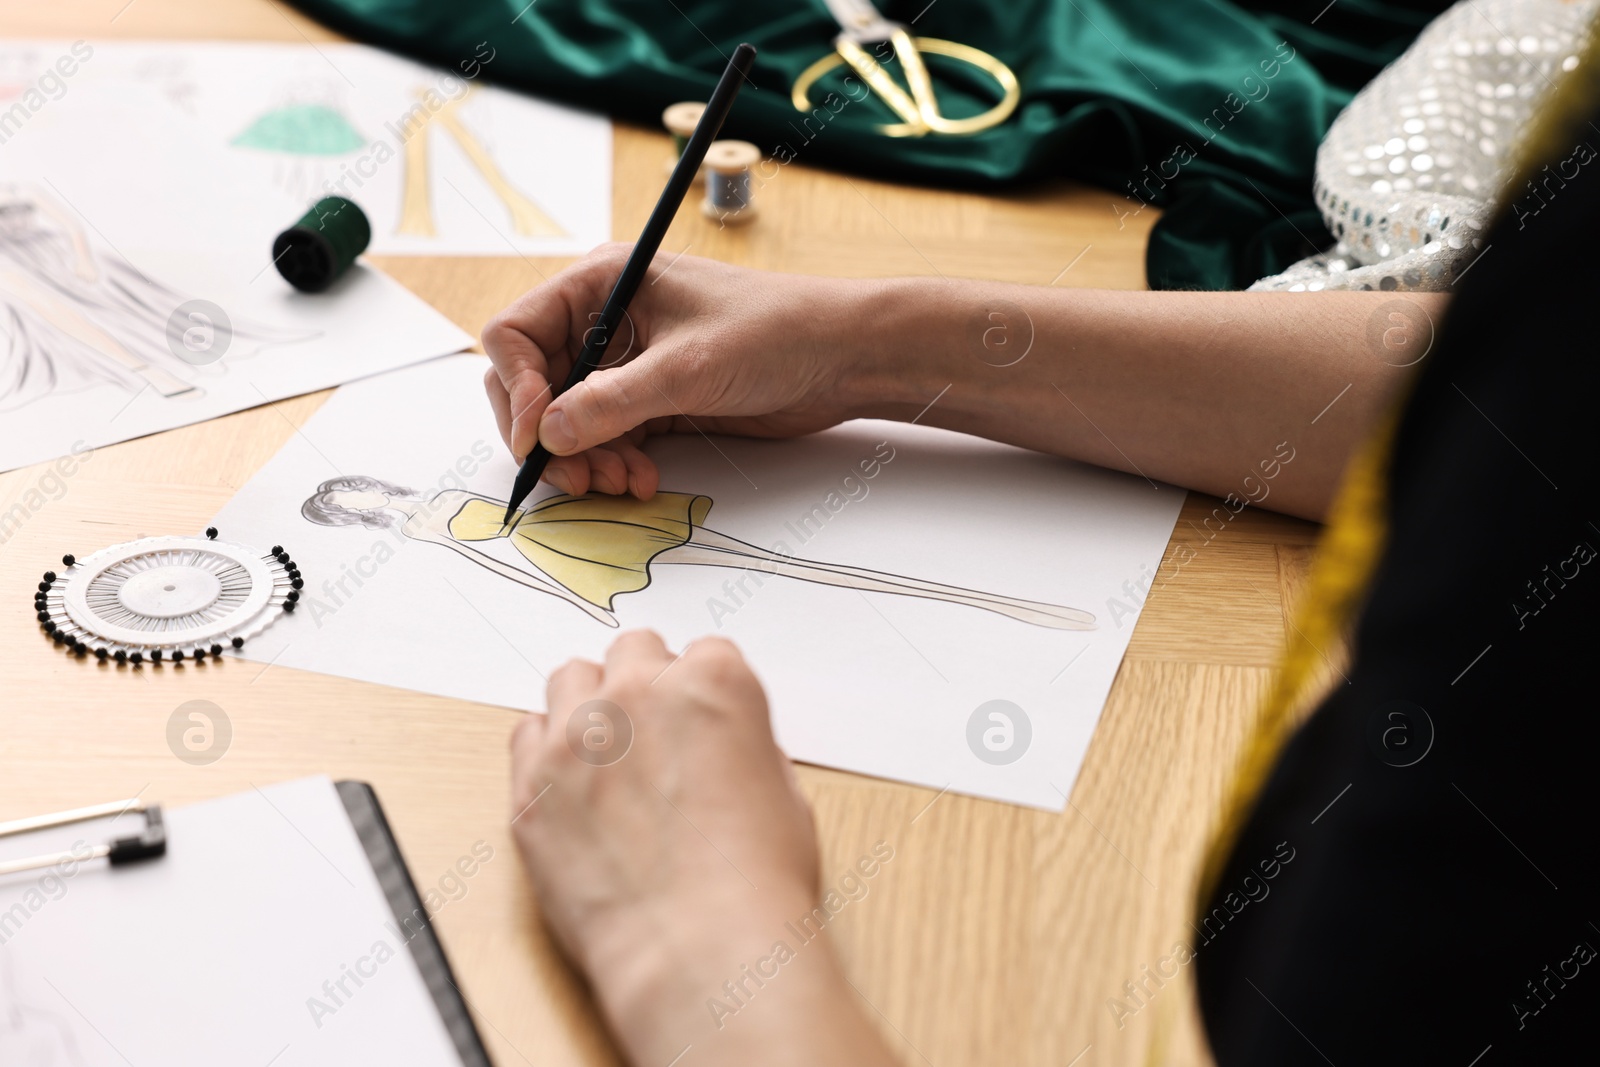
<point x="360" y="500"/>
<point x="23" y="226"/>
<point x="16" y="214"/>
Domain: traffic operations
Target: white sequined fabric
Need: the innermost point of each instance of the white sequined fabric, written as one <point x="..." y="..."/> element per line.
<point x="1411" y="172"/>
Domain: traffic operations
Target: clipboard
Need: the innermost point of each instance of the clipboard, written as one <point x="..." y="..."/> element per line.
<point x="281" y="847"/>
<point x="394" y="877"/>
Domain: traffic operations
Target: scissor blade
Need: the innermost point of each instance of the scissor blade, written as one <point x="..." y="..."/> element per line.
<point x="880" y="82"/>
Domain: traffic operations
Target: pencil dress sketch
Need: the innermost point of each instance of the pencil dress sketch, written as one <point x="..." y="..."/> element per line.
<point x="74" y="314"/>
<point x="591" y="549"/>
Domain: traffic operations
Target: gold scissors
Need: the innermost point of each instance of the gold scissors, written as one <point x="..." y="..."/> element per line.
<point x="861" y="25"/>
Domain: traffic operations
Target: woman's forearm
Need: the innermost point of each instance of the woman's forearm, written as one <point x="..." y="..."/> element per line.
<point x="1196" y="389"/>
<point x="735" y="998"/>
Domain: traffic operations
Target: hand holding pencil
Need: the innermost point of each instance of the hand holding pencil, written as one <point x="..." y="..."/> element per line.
<point x="706" y="348"/>
<point x="597" y="340"/>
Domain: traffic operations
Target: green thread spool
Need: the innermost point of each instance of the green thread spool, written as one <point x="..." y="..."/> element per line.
<point x="314" y="252"/>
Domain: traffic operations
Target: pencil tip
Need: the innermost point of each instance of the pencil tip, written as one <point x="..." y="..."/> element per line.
<point x="511" y="511"/>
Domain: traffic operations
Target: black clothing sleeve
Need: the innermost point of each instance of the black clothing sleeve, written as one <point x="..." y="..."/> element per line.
<point x="1441" y="805"/>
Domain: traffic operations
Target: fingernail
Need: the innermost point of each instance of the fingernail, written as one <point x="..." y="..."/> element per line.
<point x="556" y="432"/>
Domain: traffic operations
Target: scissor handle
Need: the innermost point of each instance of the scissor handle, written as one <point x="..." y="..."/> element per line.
<point x="921" y="115"/>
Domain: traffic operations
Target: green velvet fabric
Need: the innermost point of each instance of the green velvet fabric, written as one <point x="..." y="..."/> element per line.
<point x="1211" y="110"/>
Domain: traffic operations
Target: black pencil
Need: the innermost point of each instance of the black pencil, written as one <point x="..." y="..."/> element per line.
<point x="655" y="229"/>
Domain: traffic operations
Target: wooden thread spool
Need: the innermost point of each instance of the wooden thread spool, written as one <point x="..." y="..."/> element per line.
<point x="680" y="120"/>
<point x="729" y="190"/>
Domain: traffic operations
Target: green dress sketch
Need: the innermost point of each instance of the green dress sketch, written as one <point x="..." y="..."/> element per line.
<point x="303" y="139"/>
<point x="302" y="130"/>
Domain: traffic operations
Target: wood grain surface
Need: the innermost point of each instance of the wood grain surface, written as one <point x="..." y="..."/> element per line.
<point x="998" y="935"/>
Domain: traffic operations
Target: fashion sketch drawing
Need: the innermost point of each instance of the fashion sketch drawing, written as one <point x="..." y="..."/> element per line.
<point x="74" y="314"/>
<point x="416" y="199"/>
<point x="589" y="550"/>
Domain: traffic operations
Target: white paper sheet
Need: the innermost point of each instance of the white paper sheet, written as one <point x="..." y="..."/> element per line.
<point x="876" y="682"/>
<point x="137" y="291"/>
<point x="215" y="952"/>
<point x="492" y="172"/>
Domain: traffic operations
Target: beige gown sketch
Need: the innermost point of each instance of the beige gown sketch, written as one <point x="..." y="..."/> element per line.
<point x="591" y="549"/>
<point x="416" y="200"/>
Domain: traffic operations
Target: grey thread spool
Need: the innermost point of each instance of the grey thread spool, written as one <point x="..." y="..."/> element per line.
<point x="728" y="186"/>
<point x="680" y="120"/>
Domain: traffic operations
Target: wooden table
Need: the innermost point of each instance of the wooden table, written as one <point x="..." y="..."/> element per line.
<point x="998" y="934"/>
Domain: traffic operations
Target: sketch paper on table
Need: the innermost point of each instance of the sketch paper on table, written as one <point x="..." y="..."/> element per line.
<point x="136" y="297"/>
<point x="936" y="573"/>
<point x="442" y="163"/>
<point x="216" y="952"/>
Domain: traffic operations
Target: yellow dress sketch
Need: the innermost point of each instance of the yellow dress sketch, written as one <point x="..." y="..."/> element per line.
<point x="589" y="550"/>
<point x="416" y="199"/>
<point x="596" y="546"/>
